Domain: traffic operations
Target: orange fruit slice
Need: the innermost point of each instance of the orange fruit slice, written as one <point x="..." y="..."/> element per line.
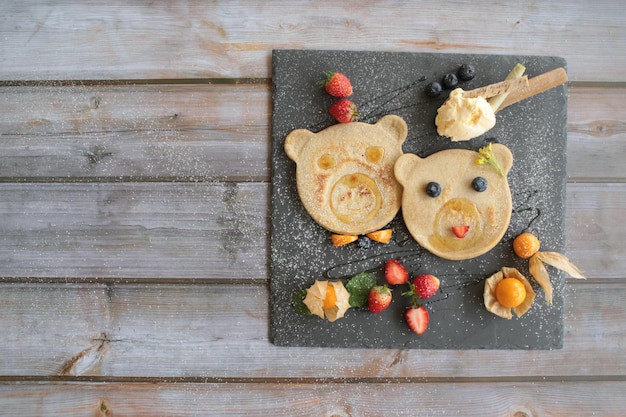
<point x="340" y="240"/>
<point x="382" y="236"/>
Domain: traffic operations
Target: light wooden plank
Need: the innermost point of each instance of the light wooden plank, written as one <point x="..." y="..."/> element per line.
<point x="525" y="399"/>
<point x="215" y="132"/>
<point x="134" y="230"/>
<point x="156" y="131"/>
<point x="118" y="40"/>
<point x="212" y="320"/>
<point x="596" y="134"/>
<point x="595" y="212"/>
<point x="54" y="322"/>
<point x="222" y="331"/>
<point x="212" y="230"/>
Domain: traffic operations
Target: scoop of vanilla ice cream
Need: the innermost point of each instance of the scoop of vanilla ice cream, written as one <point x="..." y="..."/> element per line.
<point x="463" y="118"/>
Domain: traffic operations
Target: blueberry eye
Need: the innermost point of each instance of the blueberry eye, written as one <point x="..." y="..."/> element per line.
<point x="479" y="184"/>
<point x="433" y="189"/>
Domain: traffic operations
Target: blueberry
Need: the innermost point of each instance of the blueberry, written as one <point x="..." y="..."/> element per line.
<point x="433" y="89"/>
<point x="364" y="242"/>
<point x="466" y="72"/>
<point x="479" y="184"/>
<point x="433" y="189"/>
<point x="449" y="81"/>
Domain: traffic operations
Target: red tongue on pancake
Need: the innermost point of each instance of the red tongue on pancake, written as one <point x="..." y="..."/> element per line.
<point x="460" y="231"/>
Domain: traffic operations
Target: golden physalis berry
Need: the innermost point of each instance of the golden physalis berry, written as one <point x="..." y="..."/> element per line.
<point x="503" y="295"/>
<point x="330" y="299"/>
<point x="327" y="299"/>
<point x="510" y="292"/>
<point x="526" y="245"/>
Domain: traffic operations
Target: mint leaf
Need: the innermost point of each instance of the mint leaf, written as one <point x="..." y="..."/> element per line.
<point x="297" y="301"/>
<point x="359" y="287"/>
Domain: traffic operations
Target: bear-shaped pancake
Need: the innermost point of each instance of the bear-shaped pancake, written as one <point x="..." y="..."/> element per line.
<point x="450" y="192"/>
<point x="344" y="173"/>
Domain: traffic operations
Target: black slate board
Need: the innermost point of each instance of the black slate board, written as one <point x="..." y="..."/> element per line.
<point x="393" y="83"/>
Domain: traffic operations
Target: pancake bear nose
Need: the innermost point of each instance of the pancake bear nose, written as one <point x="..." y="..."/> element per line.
<point x="355" y="197"/>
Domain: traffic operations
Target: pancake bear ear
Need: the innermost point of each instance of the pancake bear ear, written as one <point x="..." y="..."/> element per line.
<point x="395" y="125"/>
<point x="295" y="141"/>
<point x="405" y="166"/>
<point x="504" y="155"/>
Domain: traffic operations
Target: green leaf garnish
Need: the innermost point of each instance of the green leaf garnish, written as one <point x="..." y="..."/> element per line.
<point x="297" y="301"/>
<point x="359" y="287"/>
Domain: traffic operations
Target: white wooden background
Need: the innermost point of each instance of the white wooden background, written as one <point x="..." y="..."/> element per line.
<point x="134" y="212"/>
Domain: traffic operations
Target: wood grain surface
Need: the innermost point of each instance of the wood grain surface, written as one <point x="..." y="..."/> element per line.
<point x="134" y="204"/>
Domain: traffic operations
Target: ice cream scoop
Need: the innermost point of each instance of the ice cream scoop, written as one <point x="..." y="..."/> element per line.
<point x="467" y="114"/>
<point x="464" y="118"/>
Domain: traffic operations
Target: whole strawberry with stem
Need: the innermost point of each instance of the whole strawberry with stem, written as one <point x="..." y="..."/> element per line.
<point x="379" y="299"/>
<point x="344" y="111"/>
<point x="337" y="84"/>
<point x="423" y="286"/>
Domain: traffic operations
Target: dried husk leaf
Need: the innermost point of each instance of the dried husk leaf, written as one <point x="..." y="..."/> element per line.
<point x="489" y="297"/>
<point x="314" y="299"/>
<point x="539" y="272"/>
<point x="561" y="262"/>
<point x="521" y="309"/>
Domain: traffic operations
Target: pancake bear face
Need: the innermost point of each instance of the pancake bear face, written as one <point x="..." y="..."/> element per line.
<point x="344" y="174"/>
<point x="452" y="206"/>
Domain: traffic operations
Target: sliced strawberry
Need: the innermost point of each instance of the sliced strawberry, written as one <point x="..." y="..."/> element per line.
<point x="378" y="299"/>
<point x="395" y="272"/>
<point x="460" y="231"/>
<point x="425" y="285"/>
<point x="417" y="318"/>
<point x="382" y="236"/>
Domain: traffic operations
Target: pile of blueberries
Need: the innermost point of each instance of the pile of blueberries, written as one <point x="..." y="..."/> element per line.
<point x="450" y="81"/>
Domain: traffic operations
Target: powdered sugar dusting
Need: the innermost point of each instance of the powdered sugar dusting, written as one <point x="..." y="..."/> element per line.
<point x="392" y="83"/>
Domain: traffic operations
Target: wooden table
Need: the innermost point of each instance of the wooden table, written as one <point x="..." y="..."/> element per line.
<point x="134" y="212"/>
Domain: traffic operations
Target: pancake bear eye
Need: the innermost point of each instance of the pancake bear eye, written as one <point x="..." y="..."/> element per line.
<point x="374" y="154"/>
<point x="326" y="161"/>
<point x="479" y="184"/>
<point x="433" y="189"/>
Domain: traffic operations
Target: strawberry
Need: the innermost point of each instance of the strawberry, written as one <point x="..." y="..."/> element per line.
<point x="460" y="231"/>
<point x="344" y="111"/>
<point x="378" y="299"/>
<point x="337" y="84"/>
<point x="382" y="236"/>
<point x="395" y="272"/>
<point x="417" y="318"/>
<point x="425" y="286"/>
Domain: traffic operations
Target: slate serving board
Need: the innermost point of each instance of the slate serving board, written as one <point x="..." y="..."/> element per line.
<point x="393" y="83"/>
